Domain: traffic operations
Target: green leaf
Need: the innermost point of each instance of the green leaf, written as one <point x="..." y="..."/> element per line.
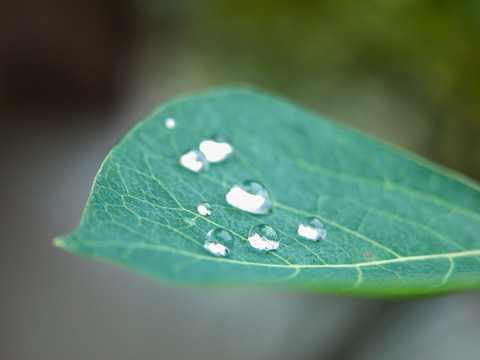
<point x="397" y="224"/>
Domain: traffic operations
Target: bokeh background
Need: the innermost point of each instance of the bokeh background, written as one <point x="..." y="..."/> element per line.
<point x="75" y="75"/>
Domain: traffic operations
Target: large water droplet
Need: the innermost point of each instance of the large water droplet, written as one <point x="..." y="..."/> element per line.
<point x="312" y="228"/>
<point x="263" y="237"/>
<point x="219" y="242"/>
<point x="204" y="209"/>
<point x="194" y="161"/>
<point x="170" y="123"/>
<point x="216" y="149"/>
<point x="250" y="196"/>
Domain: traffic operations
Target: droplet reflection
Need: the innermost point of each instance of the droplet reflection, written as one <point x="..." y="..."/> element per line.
<point x="263" y="237"/>
<point x="312" y="228"/>
<point x="219" y="242"/>
<point x="250" y="196"/>
<point x="194" y="160"/>
<point x="170" y="123"/>
<point x="216" y="149"/>
<point x="204" y="209"/>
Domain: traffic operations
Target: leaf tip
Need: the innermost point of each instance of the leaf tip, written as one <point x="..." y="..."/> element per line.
<point x="59" y="243"/>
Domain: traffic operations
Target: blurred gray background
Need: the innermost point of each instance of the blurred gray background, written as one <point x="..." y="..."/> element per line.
<point x="74" y="76"/>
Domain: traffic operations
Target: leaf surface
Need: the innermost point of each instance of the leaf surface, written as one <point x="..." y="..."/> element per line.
<point x="397" y="224"/>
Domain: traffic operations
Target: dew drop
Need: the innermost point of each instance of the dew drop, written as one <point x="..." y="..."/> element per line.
<point x="204" y="209"/>
<point x="216" y="149"/>
<point x="250" y="196"/>
<point x="263" y="237"/>
<point x="312" y="228"/>
<point x="194" y="161"/>
<point x="170" y="123"/>
<point x="218" y="241"/>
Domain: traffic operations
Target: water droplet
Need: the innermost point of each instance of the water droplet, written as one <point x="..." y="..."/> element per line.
<point x="204" y="209"/>
<point x="170" y="123"/>
<point x="312" y="228"/>
<point x="194" y="161"/>
<point x="218" y="241"/>
<point x="263" y="237"/>
<point x="216" y="149"/>
<point x="250" y="196"/>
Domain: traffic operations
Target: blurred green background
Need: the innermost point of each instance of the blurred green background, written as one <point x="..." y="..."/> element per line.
<point x="74" y="75"/>
<point x="405" y="70"/>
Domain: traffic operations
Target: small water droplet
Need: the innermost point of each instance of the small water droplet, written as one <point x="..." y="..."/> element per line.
<point x="216" y="149"/>
<point x="250" y="196"/>
<point x="194" y="161"/>
<point x="263" y="237"/>
<point x="219" y="242"/>
<point x="204" y="209"/>
<point x="170" y="123"/>
<point x="312" y="228"/>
